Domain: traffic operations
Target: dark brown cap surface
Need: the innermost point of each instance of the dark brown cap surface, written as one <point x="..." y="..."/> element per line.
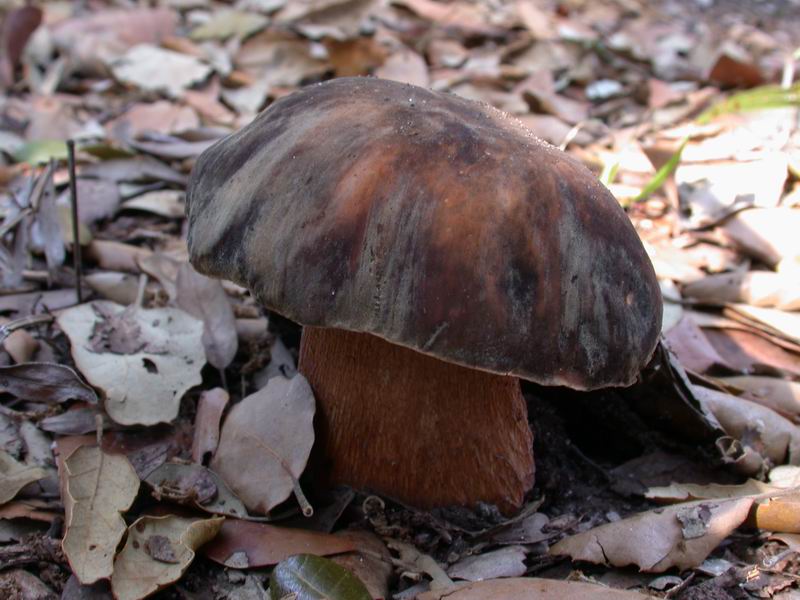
<point x="434" y="222"/>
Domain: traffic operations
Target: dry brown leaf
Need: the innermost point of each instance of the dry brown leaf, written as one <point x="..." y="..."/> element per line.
<point x="121" y="288"/>
<point x="157" y="552"/>
<point x="195" y="486"/>
<point x="676" y="536"/>
<point x="691" y="346"/>
<point x="32" y="509"/>
<point x="504" y="562"/>
<point x="45" y="382"/>
<point x="278" y="60"/>
<point x="143" y="360"/>
<point x="159" y="117"/>
<point x="759" y="428"/>
<point x="538" y="90"/>
<point x="205" y="299"/>
<point x="768" y="234"/>
<point x="99" y="487"/>
<point x="116" y="256"/>
<point x="17" y="27"/>
<point x="21" y="346"/>
<point x="155" y="69"/>
<point x="134" y="170"/>
<point x="15" y="475"/>
<point x="757" y="288"/>
<point x="455" y="15"/>
<point x="206" y="102"/>
<point x="210" y="407"/>
<point x="774" y="322"/>
<point x="98" y="199"/>
<point x="405" y="66"/>
<point x="94" y="39"/>
<point x="165" y="203"/>
<point x="266" y="441"/>
<point x="371" y="563"/>
<point x="249" y="545"/>
<point x="780" y="395"/>
<point x="530" y="588"/>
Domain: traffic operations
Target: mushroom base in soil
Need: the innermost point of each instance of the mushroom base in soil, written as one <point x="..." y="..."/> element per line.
<point x="415" y="428"/>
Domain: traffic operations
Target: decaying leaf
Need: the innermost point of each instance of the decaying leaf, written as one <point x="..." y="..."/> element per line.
<point x="99" y="487"/>
<point x="505" y="562"/>
<point x="780" y="395"/>
<point x="759" y="428"/>
<point x="210" y="407"/>
<point x="196" y="486"/>
<point x="143" y="360"/>
<point x="311" y="577"/>
<point x="45" y="382"/>
<point x="165" y="203"/>
<point x="249" y="545"/>
<point x="15" y="475"/>
<point x="230" y="23"/>
<point x="676" y="536"/>
<point x="205" y="299"/>
<point x="531" y="587"/>
<point x="266" y="441"/>
<point x="157" y="552"/>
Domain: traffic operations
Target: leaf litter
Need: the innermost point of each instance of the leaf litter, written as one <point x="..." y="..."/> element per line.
<point x="618" y="85"/>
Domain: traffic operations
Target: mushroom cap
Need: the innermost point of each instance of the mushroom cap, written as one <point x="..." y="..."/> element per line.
<point x="434" y="222"/>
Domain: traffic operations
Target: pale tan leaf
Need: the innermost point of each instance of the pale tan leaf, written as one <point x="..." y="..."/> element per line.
<point x="15" y="475"/>
<point x="210" y="407"/>
<point x="405" y="66"/>
<point x="229" y="23"/>
<point x="162" y="117"/>
<point x="757" y="288"/>
<point x="680" y="536"/>
<point x="266" y="441"/>
<point x="530" y="588"/>
<point x="769" y="234"/>
<point x="99" y="487"/>
<point x="155" y="69"/>
<point x="249" y="545"/>
<point x="144" y="360"/>
<point x="681" y="492"/>
<point x="775" y="322"/>
<point x="508" y="561"/>
<point x="166" y="203"/>
<point x="780" y="395"/>
<point x="196" y="486"/>
<point x="121" y="288"/>
<point x="760" y="429"/>
<point x="205" y="299"/>
<point x="116" y="256"/>
<point x="157" y="552"/>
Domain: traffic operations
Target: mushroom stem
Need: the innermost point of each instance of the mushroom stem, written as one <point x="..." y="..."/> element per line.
<point x="415" y="428"/>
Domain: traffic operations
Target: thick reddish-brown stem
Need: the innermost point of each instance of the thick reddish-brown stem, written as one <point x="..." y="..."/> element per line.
<point x="421" y="430"/>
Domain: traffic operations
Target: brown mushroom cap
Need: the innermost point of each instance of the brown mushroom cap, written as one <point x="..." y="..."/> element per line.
<point x="434" y="222"/>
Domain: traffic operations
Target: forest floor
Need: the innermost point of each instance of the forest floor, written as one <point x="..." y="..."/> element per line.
<point x="685" y="486"/>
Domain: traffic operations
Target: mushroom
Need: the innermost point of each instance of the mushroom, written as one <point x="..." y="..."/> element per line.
<point x="435" y="252"/>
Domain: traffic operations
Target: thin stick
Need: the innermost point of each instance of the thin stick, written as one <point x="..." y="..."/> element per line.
<point x="73" y="200"/>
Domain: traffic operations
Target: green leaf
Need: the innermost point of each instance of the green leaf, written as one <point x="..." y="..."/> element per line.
<point x="763" y="97"/>
<point x="311" y="577"/>
<point x="41" y="151"/>
<point x="661" y="175"/>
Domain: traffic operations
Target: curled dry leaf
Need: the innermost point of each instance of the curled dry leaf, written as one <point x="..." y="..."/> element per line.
<point x="676" y="536"/>
<point x="157" y="552"/>
<point x="196" y="486"/>
<point x="205" y="299"/>
<point x="143" y="360"/>
<point x="309" y="577"/>
<point x="266" y="441"/>
<point x="99" y="487"/>
<point x="775" y="507"/>
<point x="530" y="588"/>
<point x="15" y="475"/>
<point x="780" y="395"/>
<point x="249" y="545"/>
<point x="210" y="407"/>
<point x="760" y="429"/>
<point x="45" y="382"/>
